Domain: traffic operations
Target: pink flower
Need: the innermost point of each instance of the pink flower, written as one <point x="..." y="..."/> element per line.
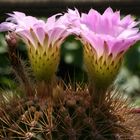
<point x="33" y="31"/>
<point x="43" y="39"/>
<point x="71" y="21"/>
<point x="110" y="30"/>
<point x="105" y="38"/>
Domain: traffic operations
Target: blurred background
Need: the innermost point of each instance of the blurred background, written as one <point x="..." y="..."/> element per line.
<point x="71" y="66"/>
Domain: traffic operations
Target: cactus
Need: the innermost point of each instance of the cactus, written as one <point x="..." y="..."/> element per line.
<point x="44" y="107"/>
<point x="44" y="111"/>
<point x="69" y="116"/>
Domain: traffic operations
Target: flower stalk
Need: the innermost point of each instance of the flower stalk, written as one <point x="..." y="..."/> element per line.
<point x="44" y="61"/>
<point x="102" y="71"/>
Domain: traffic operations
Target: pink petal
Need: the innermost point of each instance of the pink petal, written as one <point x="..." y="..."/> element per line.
<point x="40" y="34"/>
<point x="96" y="42"/>
<point x="108" y="12"/>
<point x="56" y="34"/>
<point x="7" y="26"/>
<point x="128" y="33"/>
<point x="26" y="36"/>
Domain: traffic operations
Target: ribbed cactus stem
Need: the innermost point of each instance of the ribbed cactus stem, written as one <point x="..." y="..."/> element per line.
<point x="17" y="65"/>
